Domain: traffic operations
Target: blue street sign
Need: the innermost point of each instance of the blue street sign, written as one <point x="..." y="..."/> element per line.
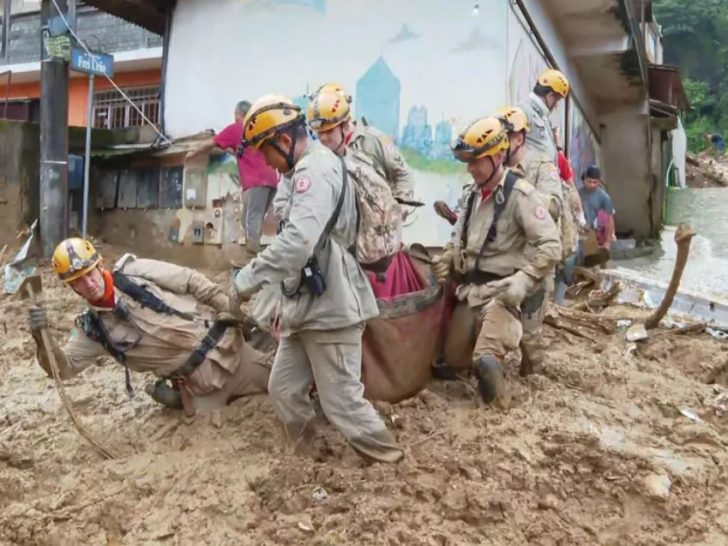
<point x="99" y="64"/>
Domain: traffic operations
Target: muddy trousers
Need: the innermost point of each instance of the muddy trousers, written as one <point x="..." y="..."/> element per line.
<point x="533" y="312"/>
<point x="257" y="202"/>
<point x="489" y="329"/>
<point x="331" y="359"/>
<point x="251" y="377"/>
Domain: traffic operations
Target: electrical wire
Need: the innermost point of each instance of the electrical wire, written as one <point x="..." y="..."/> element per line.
<point x="111" y="80"/>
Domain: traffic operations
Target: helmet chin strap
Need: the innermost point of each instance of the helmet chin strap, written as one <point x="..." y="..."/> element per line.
<point x="287" y="156"/>
<point x="495" y="170"/>
<point x="512" y="153"/>
<point x="342" y="142"/>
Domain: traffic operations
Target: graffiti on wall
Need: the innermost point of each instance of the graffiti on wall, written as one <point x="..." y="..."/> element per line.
<point x="583" y="145"/>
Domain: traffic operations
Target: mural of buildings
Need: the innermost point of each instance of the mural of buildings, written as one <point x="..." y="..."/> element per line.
<point x="377" y="98"/>
<point x="417" y="134"/>
<point x="443" y="140"/>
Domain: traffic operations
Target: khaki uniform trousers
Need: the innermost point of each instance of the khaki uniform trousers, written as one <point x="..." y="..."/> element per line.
<point x="251" y="377"/>
<point x="489" y="329"/>
<point x="332" y="359"/>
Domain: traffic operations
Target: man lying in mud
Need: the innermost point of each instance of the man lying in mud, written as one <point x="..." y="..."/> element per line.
<point x="146" y="315"/>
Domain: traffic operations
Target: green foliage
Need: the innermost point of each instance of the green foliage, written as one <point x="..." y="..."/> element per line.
<point x="437" y="166"/>
<point x="696" y="41"/>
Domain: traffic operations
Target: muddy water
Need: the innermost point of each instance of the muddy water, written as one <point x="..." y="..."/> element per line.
<point x="706" y="211"/>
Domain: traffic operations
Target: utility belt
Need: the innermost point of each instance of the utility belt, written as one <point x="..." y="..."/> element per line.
<point x="531" y="304"/>
<point x="479" y="278"/>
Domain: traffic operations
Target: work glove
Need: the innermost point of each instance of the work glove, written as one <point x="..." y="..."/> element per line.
<point x="512" y="290"/>
<point x="442" y="265"/>
<point x="37" y="319"/>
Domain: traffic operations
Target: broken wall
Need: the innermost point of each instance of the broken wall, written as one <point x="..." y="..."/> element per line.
<point x="169" y="208"/>
<point x="19" y="171"/>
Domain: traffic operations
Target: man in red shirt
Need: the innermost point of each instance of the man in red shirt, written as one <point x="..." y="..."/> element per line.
<point x="257" y="180"/>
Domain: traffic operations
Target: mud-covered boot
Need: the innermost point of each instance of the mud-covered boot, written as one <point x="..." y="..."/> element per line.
<point x="162" y="393"/>
<point x="491" y="383"/>
<point x="378" y="447"/>
<point x="443" y="371"/>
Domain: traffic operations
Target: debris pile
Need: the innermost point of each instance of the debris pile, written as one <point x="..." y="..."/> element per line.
<point x="614" y="442"/>
<point x="706" y="170"/>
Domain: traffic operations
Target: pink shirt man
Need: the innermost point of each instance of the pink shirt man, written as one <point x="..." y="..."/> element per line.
<point x="254" y="171"/>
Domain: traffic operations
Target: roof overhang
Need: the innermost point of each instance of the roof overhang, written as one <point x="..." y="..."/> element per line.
<point x="148" y="14"/>
<point x="666" y="86"/>
<point x="604" y="41"/>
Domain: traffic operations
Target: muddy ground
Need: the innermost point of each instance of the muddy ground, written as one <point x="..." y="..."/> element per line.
<point x="596" y="450"/>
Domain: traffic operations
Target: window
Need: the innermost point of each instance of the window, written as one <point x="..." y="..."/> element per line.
<point x="112" y="111"/>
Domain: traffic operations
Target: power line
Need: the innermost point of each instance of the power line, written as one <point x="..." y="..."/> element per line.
<point x="124" y="95"/>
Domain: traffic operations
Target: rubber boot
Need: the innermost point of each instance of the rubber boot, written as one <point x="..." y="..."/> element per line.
<point x="163" y="394"/>
<point x="378" y="447"/>
<point x="443" y="371"/>
<point x="527" y="366"/>
<point x="491" y="383"/>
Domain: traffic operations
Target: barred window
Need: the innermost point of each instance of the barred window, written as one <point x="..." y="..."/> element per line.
<point x="112" y="111"/>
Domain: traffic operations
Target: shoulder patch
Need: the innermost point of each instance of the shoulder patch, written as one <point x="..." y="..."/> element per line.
<point x="302" y="184"/>
<point x="524" y="186"/>
<point x="540" y="212"/>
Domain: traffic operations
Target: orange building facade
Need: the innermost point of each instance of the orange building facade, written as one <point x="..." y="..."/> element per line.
<point x="78" y="90"/>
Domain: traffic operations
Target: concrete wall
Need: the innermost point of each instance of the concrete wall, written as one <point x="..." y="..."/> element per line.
<point x="98" y="29"/>
<point x="628" y="173"/>
<point x="19" y="163"/>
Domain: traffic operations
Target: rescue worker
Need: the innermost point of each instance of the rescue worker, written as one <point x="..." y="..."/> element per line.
<point x="540" y="162"/>
<point x="379" y="244"/>
<point x="339" y="131"/>
<point x="532" y="346"/>
<point x="146" y="315"/>
<point x="327" y="298"/>
<point x="504" y="247"/>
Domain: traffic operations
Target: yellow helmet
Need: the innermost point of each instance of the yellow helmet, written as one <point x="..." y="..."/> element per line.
<point x="267" y="117"/>
<point x="516" y="119"/>
<point x="73" y="258"/>
<point x="336" y="88"/>
<point x="328" y="109"/>
<point x="556" y="81"/>
<point x="483" y="137"/>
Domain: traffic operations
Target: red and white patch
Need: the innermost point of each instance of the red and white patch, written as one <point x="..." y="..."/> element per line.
<point x="540" y="212"/>
<point x="302" y="184"/>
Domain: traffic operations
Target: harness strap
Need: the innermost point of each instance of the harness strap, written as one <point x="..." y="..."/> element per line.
<point x="91" y="324"/>
<point x="145" y="297"/>
<point x="210" y="341"/>
<point x="325" y="234"/>
<point x="501" y="200"/>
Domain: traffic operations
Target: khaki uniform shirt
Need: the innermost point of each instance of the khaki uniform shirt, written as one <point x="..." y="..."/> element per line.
<point x="158" y="342"/>
<point x="540" y="161"/>
<point x="527" y="238"/>
<point x="316" y="183"/>
<point x="386" y="157"/>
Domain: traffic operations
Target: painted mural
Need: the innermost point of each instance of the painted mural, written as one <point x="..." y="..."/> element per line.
<point x="418" y="70"/>
<point x="583" y="145"/>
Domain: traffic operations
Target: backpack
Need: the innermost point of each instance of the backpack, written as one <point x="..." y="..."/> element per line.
<point x="379" y="229"/>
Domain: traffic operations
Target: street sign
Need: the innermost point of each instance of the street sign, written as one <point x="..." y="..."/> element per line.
<point x="99" y="64"/>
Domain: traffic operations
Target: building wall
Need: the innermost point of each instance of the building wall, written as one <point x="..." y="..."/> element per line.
<point x="78" y="91"/>
<point x="628" y="173"/>
<point x="19" y="160"/>
<point x="100" y="30"/>
<point x="441" y="64"/>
